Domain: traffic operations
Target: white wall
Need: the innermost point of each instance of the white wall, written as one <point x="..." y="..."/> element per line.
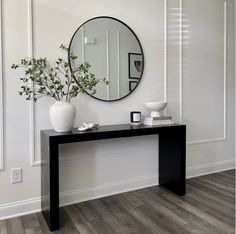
<point x="94" y="169"/>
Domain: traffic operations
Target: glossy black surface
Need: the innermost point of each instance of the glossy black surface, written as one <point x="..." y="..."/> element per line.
<point x="172" y="159"/>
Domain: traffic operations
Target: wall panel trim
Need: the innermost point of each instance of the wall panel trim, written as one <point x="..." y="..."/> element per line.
<point x="200" y="141"/>
<point x="32" y="133"/>
<point x="180" y="61"/>
<point x="118" y="62"/>
<point x="108" y="63"/>
<point x="1" y="95"/>
<point x="165" y="54"/>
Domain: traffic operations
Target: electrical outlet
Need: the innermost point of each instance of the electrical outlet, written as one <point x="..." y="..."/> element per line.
<point x="16" y="175"/>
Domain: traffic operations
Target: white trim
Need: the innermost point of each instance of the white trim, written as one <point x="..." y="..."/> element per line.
<point x="225" y="67"/>
<point x="108" y="65"/>
<point x="14" y="209"/>
<point x="180" y="61"/>
<point x="1" y="97"/>
<point x="29" y="206"/>
<point x="202" y="141"/>
<point x="165" y="52"/>
<point x="83" y="46"/>
<point x="32" y="132"/>
<point x="118" y="62"/>
<point x="210" y="168"/>
<point x="19" y="208"/>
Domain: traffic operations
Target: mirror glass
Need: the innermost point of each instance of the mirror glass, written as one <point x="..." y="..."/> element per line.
<point x="114" y="53"/>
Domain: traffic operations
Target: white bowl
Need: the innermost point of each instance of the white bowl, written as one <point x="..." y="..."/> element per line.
<point x="155" y="108"/>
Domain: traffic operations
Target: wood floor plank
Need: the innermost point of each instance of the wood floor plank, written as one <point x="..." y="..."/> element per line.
<point x="3" y="227"/>
<point x="207" y="193"/>
<point x="208" y="207"/>
<point x="195" y="222"/>
<point x="88" y="211"/>
<point x="218" y="204"/>
<point x="227" y="196"/>
<point x="36" y="230"/>
<point x="222" y="187"/>
<point x="149" y="216"/>
<point x="81" y="224"/>
<point x="131" y="224"/>
<point x="146" y="221"/>
<point x="132" y="197"/>
<point x="30" y="221"/>
<point x="108" y="216"/>
<point x="216" y="210"/>
<point x="223" y="227"/>
<point x="161" y="208"/>
<point x="222" y="181"/>
<point x="98" y="222"/>
<point x="42" y="223"/>
<point x="230" y="172"/>
<point x="31" y="224"/>
<point x="15" y="226"/>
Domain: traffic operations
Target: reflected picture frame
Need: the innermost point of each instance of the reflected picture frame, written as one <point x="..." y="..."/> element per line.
<point x="132" y="85"/>
<point x="135" y="65"/>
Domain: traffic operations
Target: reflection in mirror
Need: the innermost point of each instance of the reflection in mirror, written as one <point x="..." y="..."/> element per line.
<point x="114" y="53"/>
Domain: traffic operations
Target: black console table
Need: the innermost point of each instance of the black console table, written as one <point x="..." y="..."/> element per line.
<point x="172" y="159"/>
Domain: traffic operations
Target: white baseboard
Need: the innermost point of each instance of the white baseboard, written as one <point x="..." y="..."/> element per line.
<point x="24" y="207"/>
<point x="33" y="205"/>
<point x="210" y="168"/>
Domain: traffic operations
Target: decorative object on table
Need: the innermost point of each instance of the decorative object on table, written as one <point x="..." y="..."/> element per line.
<point x="163" y="120"/>
<point x="155" y="108"/>
<point x="88" y="126"/>
<point x="135" y="65"/>
<point x="135" y="118"/>
<point x="59" y="82"/>
<point x="62" y="115"/>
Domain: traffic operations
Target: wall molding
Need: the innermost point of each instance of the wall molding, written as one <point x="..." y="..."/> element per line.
<point x="1" y="95"/>
<point x="118" y="62"/>
<point x="108" y="62"/>
<point x="165" y="53"/>
<point x="28" y="206"/>
<point x="210" y="168"/>
<point x="180" y="61"/>
<point x="210" y="140"/>
<point x="19" y="208"/>
<point x="32" y="132"/>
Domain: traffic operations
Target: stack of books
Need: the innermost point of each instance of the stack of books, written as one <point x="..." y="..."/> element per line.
<point x="163" y="120"/>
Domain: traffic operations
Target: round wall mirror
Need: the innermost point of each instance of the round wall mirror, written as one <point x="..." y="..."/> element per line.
<point x="114" y="53"/>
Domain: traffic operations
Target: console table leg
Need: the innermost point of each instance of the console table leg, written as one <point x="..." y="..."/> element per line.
<point x="172" y="160"/>
<point x="50" y="183"/>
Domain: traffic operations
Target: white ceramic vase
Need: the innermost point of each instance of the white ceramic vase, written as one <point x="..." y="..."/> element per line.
<point x="62" y="116"/>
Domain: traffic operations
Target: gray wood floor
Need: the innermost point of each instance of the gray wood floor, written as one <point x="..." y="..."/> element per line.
<point x="208" y="207"/>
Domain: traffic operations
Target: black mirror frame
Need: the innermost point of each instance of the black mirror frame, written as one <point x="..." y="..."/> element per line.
<point x="138" y="80"/>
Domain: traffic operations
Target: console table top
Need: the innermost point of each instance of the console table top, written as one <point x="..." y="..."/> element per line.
<point x="110" y="128"/>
